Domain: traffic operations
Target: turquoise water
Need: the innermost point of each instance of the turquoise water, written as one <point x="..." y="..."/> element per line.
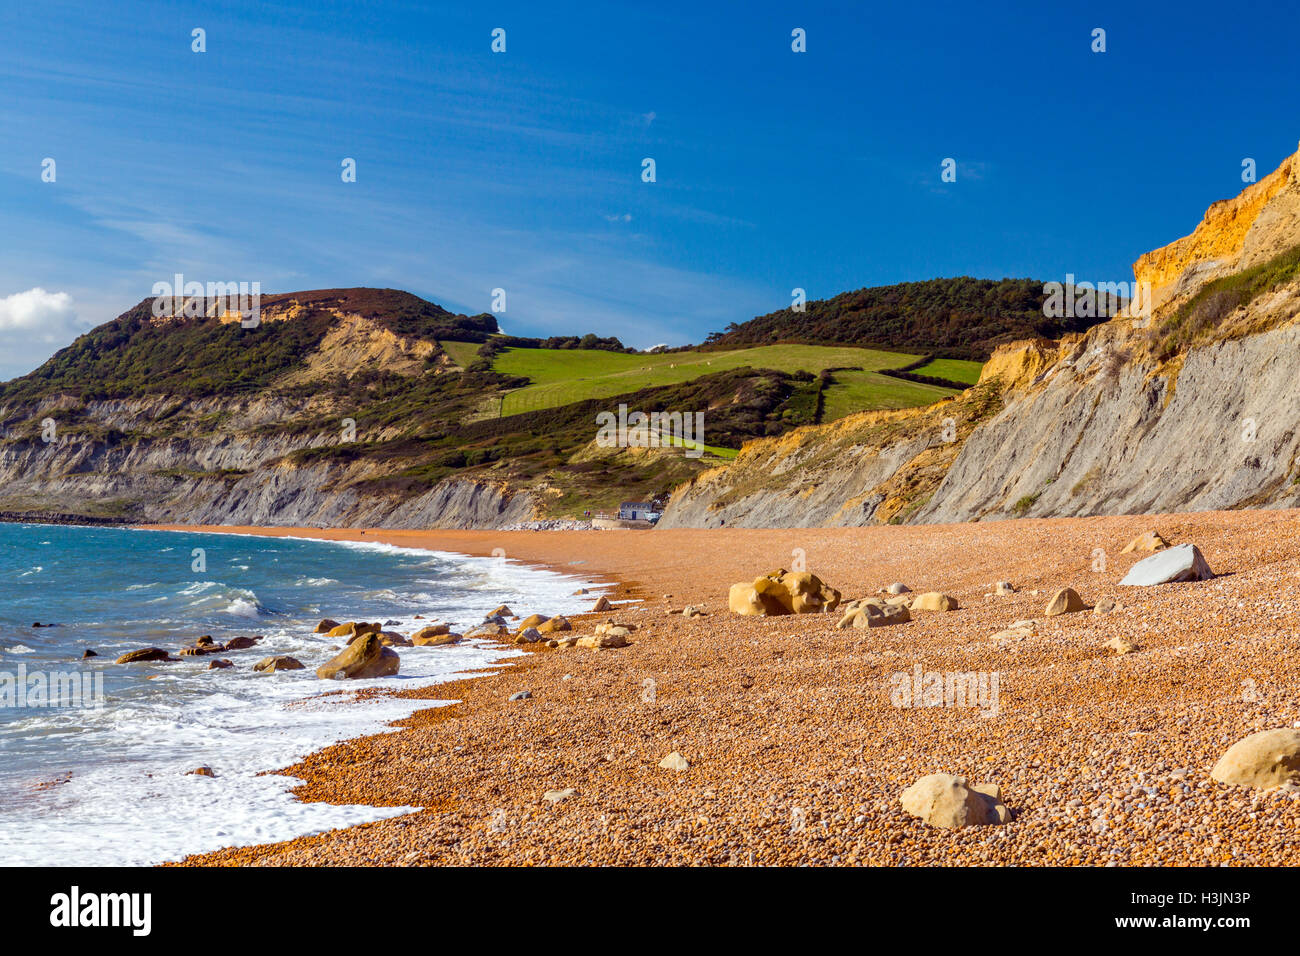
<point x="107" y="783"/>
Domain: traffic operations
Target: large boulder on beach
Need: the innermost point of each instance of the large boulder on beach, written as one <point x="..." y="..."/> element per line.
<point x="1262" y="761"/>
<point x="945" y="800"/>
<point x="875" y="614"/>
<point x="1064" y="601"/>
<point x="1183" y="562"/>
<point x="144" y="654"/>
<point x="783" y="592"/>
<point x="1146" y="541"/>
<point x="488" y="630"/>
<point x="240" y="643"/>
<point x="326" y="625"/>
<point x="557" y="623"/>
<point x="362" y="659"/>
<point x="934" y="601"/>
<point x="609" y="634"/>
<point x="532" y="620"/>
<point x="743" y="599"/>
<point x="807" y="593"/>
<point x="614" y="637"/>
<point x="280" y="662"/>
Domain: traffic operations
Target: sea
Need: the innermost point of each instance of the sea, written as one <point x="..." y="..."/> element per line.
<point x="103" y="777"/>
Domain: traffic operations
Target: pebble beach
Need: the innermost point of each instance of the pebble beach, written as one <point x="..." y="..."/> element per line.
<point x="729" y="740"/>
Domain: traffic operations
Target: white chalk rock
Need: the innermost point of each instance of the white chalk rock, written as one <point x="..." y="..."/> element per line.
<point x="1182" y="563"/>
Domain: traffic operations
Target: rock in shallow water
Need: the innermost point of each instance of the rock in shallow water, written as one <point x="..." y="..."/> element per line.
<point x="1182" y="563"/>
<point x="279" y="662"/>
<point x="364" y="658"/>
<point x="434" y="635"/>
<point x="144" y="654"/>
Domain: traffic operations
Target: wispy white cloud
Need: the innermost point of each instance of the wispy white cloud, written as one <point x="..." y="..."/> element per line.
<point x="33" y="324"/>
<point x="48" y="316"/>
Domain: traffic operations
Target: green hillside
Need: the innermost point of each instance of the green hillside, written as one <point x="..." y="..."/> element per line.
<point x="957" y="318"/>
<point x="137" y="354"/>
<point x="462" y="353"/>
<point x="850" y="391"/>
<point x="561" y="377"/>
<point x="955" y="370"/>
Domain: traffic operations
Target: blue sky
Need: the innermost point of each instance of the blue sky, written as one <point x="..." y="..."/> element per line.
<point x="522" y="170"/>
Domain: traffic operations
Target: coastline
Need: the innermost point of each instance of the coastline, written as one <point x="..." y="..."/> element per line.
<point x="795" y="752"/>
<point x="153" y="725"/>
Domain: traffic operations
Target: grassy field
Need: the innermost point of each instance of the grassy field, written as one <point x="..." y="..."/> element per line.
<point x="562" y="376"/>
<point x="858" y="391"/>
<point x="955" y="370"/>
<point x="462" y="353"/>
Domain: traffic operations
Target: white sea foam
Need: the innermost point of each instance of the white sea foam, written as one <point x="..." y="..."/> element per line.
<point x="131" y="799"/>
<point x="242" y="607"/>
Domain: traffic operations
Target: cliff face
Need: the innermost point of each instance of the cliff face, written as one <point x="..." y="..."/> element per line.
<point x="238" y="474"/>
<point x="1102" y="422"/>
<point x="1235" y="233"/>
